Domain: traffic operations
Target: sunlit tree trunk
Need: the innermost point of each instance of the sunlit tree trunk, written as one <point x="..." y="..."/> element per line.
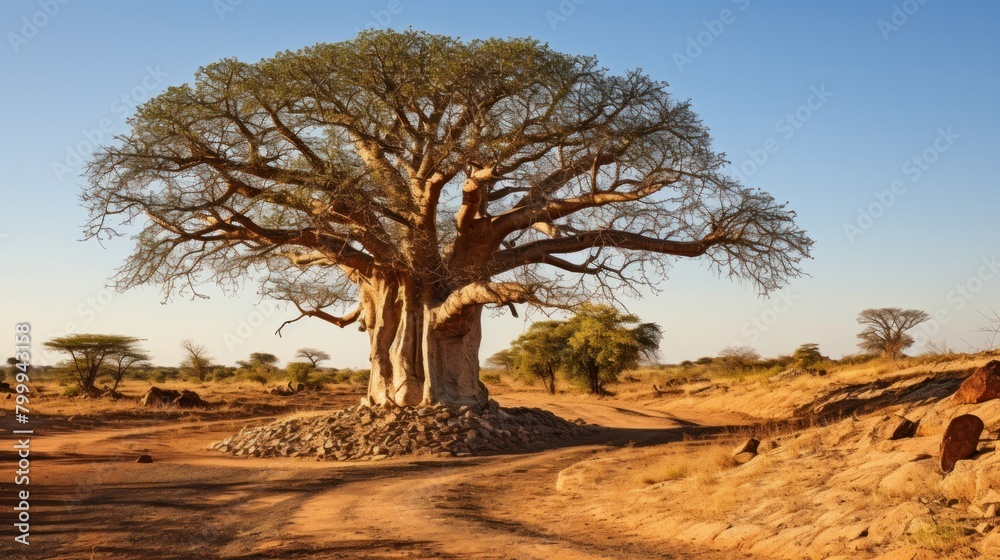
<point x="412" y="362"/>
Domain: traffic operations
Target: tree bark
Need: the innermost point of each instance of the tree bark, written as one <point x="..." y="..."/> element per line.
<point x="414" y="362"/>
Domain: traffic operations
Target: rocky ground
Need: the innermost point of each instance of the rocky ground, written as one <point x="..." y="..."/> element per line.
<point x="911" y="481"/>
<point x="377" y="432"/>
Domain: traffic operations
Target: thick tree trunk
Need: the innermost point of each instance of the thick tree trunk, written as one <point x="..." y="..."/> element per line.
<point x="411" y="362"/>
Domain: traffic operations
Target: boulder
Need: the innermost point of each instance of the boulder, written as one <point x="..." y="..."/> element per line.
<point x="188" y="399"/>
<point x="170" y="397"/>
<point x="981" y="386"/>
<point x="159" y="397"/>
<point x="748" y="446"/>
<point x="896" y="427"/>
<point x="960" y="440"/>
<point x="144" y="459"/>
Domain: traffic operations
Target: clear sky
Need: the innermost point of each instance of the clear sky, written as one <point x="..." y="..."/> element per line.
<point x="876" y="119"/>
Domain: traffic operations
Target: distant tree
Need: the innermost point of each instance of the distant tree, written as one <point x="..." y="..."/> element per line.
<point x="602" y="344"/>
<point x="540" y="351"/>
<point x="503" y="359"/>
<point x="313" y="355"/>
<point x="196" y="359"/>
<point x="11" y="365"/>
<point x="263" y="359"/>
<point x="885" y="330"/>
<point x="739" y="358"/>
<point x="89" y="353"/>
<point x="121" y="362"/>
<point x="704" y="361"/>
<point x="299" y="371"/>
<point x="807" y="356"/>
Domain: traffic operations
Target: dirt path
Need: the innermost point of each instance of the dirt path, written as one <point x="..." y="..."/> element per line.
<point x="91" y="501"/>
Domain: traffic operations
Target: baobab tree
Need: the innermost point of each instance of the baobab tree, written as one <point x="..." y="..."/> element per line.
<point x="406" y="181"/>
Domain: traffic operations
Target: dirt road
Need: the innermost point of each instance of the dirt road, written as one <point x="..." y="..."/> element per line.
<point x="90" y="500"/>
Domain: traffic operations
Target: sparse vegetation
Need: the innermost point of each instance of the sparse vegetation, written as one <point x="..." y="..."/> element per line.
<point x="94" y="354"/>
<point x="885" y="330"/>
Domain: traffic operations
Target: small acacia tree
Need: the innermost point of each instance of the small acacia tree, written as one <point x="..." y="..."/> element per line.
<point x="738" y="358"/>
<point x="91" y="353"/>
<point x="885" y="330"/>
<point x="411" y="179"/>
<point x="196" y="359"/>
<point x="807" y="356"/>
<point x="540" y="351"/>
<point x="602" y="343"/>
<point x="121" y="362"/>
<point x="314" y="356"/>
<point x="504" y="359"/>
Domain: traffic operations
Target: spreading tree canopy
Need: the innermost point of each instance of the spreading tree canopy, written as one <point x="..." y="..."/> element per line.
<point x="885" y="329"/>
<point x="404" y="181"/>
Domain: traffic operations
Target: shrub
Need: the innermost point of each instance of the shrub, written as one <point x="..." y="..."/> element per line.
<point x="299" y="371"/>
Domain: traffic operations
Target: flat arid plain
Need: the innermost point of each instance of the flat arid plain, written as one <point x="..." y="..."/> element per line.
<point x="661" y="478"/>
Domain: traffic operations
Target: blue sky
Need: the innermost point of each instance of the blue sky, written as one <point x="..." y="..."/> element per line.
<point x="876" y="119"/>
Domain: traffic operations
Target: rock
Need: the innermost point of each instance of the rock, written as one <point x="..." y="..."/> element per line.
<point x="743" y="458"/>
<point x="170" y="397"/>
<point x="389" y="431"/>
<point x="159" y="397"/>
<point x="144" y="459"/>
<point x="981" y="386"/>
<point x="960" y="440"/>
<point x="896" y="427"/>
<point x="748" y="446"/>
<point x="188" y="399"/>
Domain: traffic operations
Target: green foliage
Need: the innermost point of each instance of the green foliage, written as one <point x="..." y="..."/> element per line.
<point x="299" y="371"/>
<point x="503" y="359"/>
<point x="94" y="354"/>
<point x="602" y="344"/>
<point x="808" y="356"/>
<point x="540" y="351"/>
<point x="263" y="359"/>
<point x="257" y="377"/>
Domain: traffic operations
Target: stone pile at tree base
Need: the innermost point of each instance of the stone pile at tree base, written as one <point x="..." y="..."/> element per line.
<point x="386" y="431"/>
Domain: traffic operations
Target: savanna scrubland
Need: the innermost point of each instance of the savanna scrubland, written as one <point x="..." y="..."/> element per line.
<point x="661" y="477"/>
